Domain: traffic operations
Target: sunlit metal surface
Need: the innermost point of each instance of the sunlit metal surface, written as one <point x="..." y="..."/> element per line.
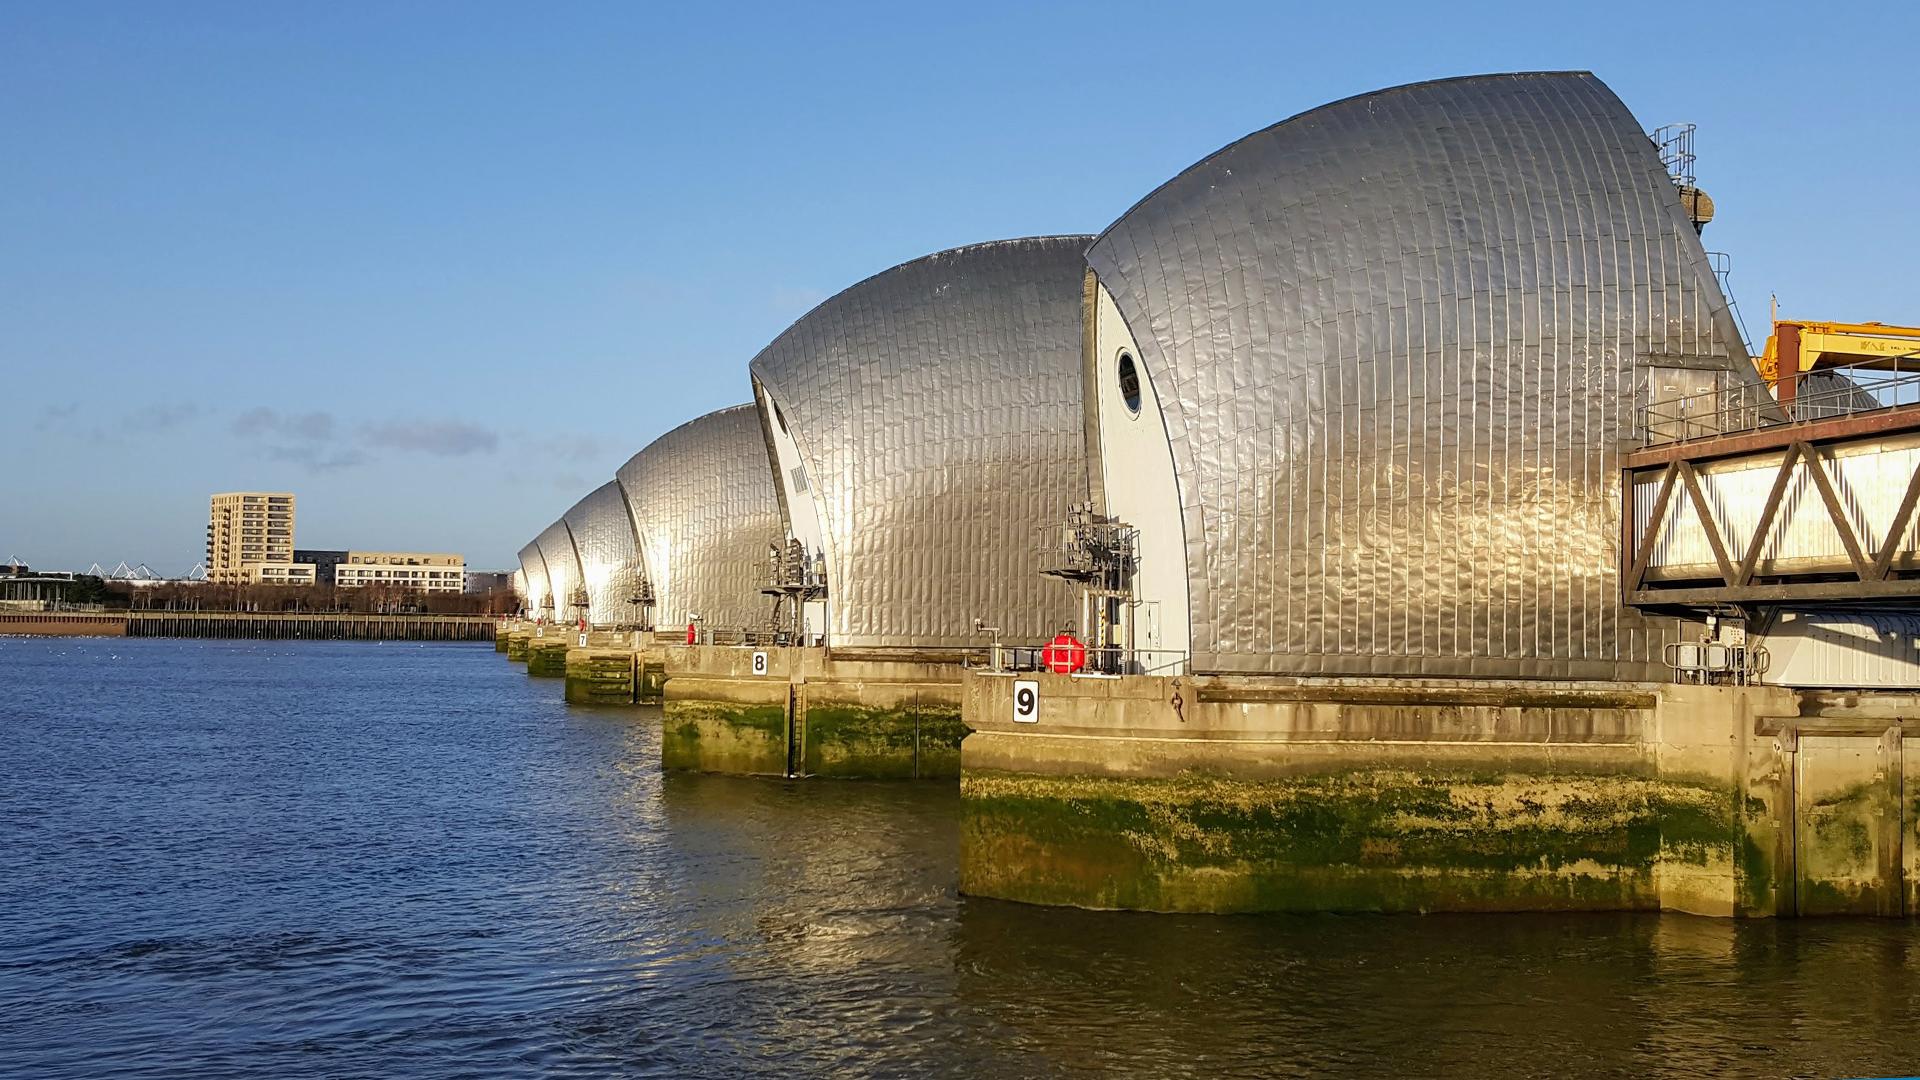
<point x="609" y="558"/>
<point x="520" y="586"/>
<point x="1399" y="341"/>
<point x="702" y="501"/>
<point x="533" y="570"/>
<point x="563" y="569"/>
<point x="937" y="409"/>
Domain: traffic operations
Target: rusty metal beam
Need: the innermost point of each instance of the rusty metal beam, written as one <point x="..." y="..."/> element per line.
<point x="1637" y="570"/>
<point x="1897" y="529"/>
<point x="1765" y="526"/>
<point x="1835" y="512"/>
<point x="1891" y="589"/>
<point x="1707" y="523"/>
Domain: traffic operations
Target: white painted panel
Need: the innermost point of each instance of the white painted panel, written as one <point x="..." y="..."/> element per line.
<point x="1136" y="464"/>
<point x="1846" y="650"/>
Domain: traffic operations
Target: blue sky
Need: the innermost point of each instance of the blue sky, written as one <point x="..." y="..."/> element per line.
<point x="440" y="268"/>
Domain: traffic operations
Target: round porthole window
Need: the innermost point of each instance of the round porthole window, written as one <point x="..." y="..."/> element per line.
<point x="1129" y="383"/>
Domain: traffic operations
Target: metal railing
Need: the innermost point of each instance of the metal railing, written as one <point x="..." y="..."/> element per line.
<point x="1101" y="660"/>
<point x="1880" y="383"/>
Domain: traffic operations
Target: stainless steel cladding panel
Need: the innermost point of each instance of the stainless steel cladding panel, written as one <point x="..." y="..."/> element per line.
<point x="702" y="502"/>
<point x="1398" y="341"/>
<point x="534" y="568"/>
<point x="936" y="408"/>
<point x="563" y="569"/>
<point x="520" y="586"/>
<point x="609" y="558"/>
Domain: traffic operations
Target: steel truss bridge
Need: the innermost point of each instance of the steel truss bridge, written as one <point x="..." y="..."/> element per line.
<point x="1735" y="504"/>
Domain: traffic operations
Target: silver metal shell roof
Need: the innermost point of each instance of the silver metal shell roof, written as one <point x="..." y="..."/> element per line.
<point x="603" y="538"/>
<point x="937" y="409"/>
<point x="1398" y="341"/>
<point x="533" y="569"/>
<point x="703" y="504"/>
<point x="563" y="569"/>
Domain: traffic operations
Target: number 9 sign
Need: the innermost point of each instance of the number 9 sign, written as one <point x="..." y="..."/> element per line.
<point x="1026" y="701"/>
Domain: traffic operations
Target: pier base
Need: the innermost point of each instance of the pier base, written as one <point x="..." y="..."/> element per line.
<point x="547" y="653"/>
<point x="1248" y="794"/>
<point x="615" y="674"/>
<point x="806" y="712"/>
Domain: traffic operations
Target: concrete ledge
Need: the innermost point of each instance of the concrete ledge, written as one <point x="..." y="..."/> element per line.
<point x="895" y="716"/>
<point x="1203" y="795"/>
<point x="547" y="657"/>
<point x="726" y="726"/>
<point x="614" y="675"/>
<point x="518" y="641"/>
<point x="881" y="730"/>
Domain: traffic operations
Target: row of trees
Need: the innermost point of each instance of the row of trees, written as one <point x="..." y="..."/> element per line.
<point x="366" y="600"/>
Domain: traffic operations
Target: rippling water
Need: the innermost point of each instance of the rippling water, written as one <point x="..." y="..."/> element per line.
<point x="346" y="859"/>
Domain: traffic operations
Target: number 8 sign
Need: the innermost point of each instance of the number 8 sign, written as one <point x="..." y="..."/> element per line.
<point x="1026" y="701"/>
<point x="759" y="663"/>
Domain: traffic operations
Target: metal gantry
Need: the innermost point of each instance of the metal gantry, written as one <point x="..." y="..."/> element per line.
<point x="1814" y="504"/>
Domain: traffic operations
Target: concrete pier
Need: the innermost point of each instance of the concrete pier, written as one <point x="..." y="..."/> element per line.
<point x="811" y="712"/>
<point x="616" y="668"/>
<point x="1262" y="794"/>
<point x="547" y="651"/>
<point x="518" y="639"/>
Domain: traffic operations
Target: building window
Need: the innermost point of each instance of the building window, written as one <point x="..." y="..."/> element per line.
<point x="1129" y="383"/>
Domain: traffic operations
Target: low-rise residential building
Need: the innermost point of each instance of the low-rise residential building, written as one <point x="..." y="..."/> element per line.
<point x="412" y="570"/>
<point x="279" y="573"/>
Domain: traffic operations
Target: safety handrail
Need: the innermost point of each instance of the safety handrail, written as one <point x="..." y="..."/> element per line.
<point x="1866" y="386"/>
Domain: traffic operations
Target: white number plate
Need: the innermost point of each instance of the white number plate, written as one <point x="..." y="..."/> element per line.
<point x="1026" y="701"/>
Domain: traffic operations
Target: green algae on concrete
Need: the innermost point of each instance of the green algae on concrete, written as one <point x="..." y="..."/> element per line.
<point x="653" y="681"/>
<point x="547" y="657"/>
<point x="911" y="739"/>
<point x="601" y="677"/>
<point x="1368" y="839"/>
<point x="517" y="643"/>
<point x="724" y="736"/>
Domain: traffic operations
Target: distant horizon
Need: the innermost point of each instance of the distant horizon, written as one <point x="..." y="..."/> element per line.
<point x="440" y="271"/>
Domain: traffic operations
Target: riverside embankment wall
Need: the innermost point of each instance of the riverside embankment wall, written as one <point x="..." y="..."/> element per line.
<point x="253" y="625"/>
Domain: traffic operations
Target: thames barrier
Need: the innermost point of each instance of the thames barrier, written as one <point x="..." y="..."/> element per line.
<point x="1385" y="513"/>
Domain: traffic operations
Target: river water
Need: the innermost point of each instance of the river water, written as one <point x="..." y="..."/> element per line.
<point x="352" y="859"/>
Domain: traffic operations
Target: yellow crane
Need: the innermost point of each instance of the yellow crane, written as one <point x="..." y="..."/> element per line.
<point x="1806" y="345"/>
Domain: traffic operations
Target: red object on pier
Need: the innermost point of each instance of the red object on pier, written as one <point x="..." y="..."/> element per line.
<point x="689" y="633"/>
<point x="1064" y="655"/>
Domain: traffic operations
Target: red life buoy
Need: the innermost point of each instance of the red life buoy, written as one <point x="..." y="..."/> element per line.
<point x="1064" y="655"/>
<point x="689" y="633"/>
